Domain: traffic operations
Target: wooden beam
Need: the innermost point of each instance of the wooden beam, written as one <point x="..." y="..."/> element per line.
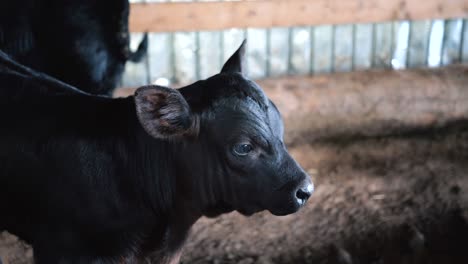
<point x="195" y="16"/>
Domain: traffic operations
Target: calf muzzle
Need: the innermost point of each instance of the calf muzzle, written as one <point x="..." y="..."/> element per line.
<point x="291" y="196"/>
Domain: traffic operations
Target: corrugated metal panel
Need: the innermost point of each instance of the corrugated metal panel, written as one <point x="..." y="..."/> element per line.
<point x="464" y="49"/>
<point x="210" y="52"/>
<point x="343" y="48"/>
<point x="401" y="37"/>
<point x="435" y="43"/>
<point x="257" y="52"/>
<point x="184" y="57"/>
<point x="418" y="43"/>
<point x="278" y="52"/>
<point x="452" y="41"/>
<point x="184" y="49"/>
<point x="159" y="56"/>
<point x="383" y="45"/>
<point x="300" y="51"/>
<point x="363" y="46"/>
<point x="322" y="49"/>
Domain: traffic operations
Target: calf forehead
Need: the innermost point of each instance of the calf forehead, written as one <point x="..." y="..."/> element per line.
<point x="247" y="116"/>
<point x="231" y="101"/>
<point x="223" y="86"/>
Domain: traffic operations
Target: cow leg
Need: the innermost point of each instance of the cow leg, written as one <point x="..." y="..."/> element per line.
<point x="45" y="252"/>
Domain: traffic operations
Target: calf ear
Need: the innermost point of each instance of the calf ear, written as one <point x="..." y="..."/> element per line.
<point x="236" y="62"/>
<point x="163" y="112"/>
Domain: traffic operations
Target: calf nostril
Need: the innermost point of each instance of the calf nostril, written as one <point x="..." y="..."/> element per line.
<point x="304" y="193"/>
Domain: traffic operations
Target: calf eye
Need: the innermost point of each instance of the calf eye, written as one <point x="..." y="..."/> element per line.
<point x="242" y="149"/>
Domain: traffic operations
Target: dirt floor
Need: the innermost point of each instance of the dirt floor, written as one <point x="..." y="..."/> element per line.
<point x="385" y="193"/>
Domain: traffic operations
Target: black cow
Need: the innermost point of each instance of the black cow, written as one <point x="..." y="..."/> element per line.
<point x="81" y="42"/>
<point x="90" y="179"/>
<point x="27" y="82"/>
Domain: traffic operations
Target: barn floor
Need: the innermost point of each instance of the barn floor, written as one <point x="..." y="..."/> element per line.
<point x="395" y="194"/>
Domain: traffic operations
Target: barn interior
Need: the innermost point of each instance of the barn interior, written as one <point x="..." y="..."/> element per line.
<point x="374" y="96"/>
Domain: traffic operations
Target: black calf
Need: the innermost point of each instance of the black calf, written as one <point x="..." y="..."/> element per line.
<point x="122" y="178"/>
<point x="27" y="82"/>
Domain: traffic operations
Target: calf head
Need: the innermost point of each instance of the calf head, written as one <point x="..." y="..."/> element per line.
<point x="231" y="137"/>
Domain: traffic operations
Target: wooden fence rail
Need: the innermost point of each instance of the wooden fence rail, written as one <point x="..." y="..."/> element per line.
<point x="197" y="16"/>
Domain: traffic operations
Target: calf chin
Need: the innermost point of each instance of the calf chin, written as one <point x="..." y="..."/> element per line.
<point x="250" y="209"/>
<point x="247" y="212"/>
<point x="218" y="210"/>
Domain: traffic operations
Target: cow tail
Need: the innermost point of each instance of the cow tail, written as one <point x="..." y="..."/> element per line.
<point x="137" y="56"/>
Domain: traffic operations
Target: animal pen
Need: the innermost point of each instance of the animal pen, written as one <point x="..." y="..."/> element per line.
<point x="374" y="95"/>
